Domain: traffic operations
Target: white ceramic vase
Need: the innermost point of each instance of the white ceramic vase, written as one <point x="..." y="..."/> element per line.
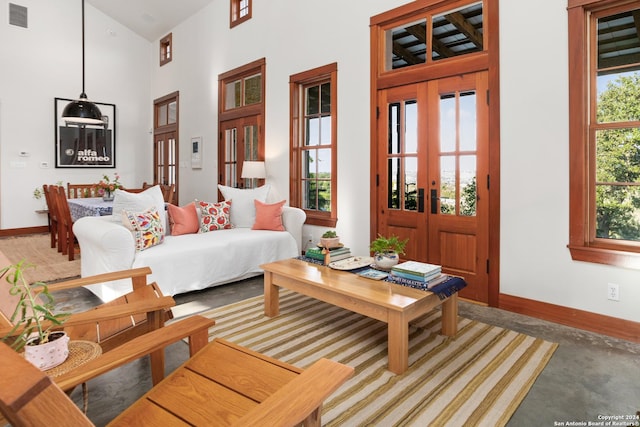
<point x="50" y="354"/>
<point x="386" y="260"/>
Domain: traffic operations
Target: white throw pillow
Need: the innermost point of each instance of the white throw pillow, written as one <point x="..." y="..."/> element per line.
<point x="243" y="210"/>
<point x="139" y="202"/>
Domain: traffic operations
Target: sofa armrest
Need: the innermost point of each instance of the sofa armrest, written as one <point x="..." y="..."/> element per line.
<point x="105" y="245"/>
<point x="293" y="220"/>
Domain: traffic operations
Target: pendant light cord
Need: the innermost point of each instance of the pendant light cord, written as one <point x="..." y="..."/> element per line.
<point x="83" y="92"/>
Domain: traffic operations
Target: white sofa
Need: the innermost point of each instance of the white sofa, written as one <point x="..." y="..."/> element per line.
<point x="187" y="262"/>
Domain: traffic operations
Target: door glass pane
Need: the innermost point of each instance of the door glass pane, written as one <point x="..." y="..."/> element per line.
<point x="406" y="45"/>
<point x="393" y="183"/>
<point x="447" y="123"/>
<point x="231" y="156"/>
<point x="411" y="183"/>
<point x="468" y="188"/>
<point x="233" y="92"/>
<point x="411" y="127"/>
<point x="468" y="121"/>
<point x="394" y="128"/>
<point x="448" y="185"/>
<point x="457" y="32"/>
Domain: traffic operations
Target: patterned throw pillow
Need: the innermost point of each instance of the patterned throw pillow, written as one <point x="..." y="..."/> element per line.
<point x="214" y="216"/>
<point x="146" y="227"/>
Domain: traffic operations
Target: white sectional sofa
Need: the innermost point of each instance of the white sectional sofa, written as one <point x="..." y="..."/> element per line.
<point x="185" y="262"/>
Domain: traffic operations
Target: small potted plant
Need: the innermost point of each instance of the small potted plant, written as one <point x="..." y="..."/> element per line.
<point x="34" y="320"/>
<point x="387" y="250"/>
<point x="330" y="239"/>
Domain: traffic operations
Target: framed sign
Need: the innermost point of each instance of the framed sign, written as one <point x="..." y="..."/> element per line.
<point x="85" y="146"/>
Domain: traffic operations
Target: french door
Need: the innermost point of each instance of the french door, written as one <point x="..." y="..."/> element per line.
<point x="165" y="141"/>
<point x="432" y="168"/>
<point x="238" y="142"/>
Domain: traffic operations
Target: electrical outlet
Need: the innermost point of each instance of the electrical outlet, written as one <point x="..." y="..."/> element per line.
<point x="613" y="292"/>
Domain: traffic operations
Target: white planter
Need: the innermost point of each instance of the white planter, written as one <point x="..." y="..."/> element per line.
<point x="330" y="242"/>
<point x="50" y="354"/>
<point x="386" y="260"/>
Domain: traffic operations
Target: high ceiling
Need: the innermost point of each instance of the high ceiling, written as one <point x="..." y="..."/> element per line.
<point x="152" y="19"/>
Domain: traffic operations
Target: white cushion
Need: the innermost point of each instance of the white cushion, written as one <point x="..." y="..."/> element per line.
<point x="243" y="210"/>
<point x="139" y="202"/>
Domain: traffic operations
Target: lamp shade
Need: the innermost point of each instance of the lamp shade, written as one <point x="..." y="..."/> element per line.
<point x="253" y="169"/>
<point x="82" y="111"/>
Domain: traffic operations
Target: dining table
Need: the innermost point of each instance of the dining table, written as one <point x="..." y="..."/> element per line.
<point x="89" y="206"/>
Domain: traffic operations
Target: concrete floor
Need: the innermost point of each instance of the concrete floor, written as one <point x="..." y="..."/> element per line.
<point x="589" y="377"/>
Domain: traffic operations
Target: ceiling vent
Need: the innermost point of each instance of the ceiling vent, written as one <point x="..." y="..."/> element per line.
<point x="17" y="15"/>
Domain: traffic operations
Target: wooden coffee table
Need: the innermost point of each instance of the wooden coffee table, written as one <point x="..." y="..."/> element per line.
<point x="394" y="304"/>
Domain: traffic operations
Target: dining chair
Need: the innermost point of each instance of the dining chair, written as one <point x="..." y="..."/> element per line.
<point x="53" y="214"/>
<point x="65" y="224"/>
<point x="76" y="191"/>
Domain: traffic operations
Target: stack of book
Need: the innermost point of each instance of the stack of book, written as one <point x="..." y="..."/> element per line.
<point x="336" y="254"/>
<point x="414" y="272"/>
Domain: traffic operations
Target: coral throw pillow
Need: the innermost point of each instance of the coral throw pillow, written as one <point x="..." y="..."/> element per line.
<point x="183" y="219"/>
<point x="146" y="227"/>
<point x="268" y="216"/>
<point x="214" y="216"/>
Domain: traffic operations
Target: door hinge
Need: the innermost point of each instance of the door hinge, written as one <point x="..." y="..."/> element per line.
<point x="377" y="180"/>
<point x="488" y="97"/>
<point x="487" y="266"/>
<point x="488" y="182"/>
<point x="377" y="113"/>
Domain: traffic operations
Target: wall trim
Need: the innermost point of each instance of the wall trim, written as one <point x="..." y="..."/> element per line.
<point x="22" y="231"/>
<point x="601" y="324"/>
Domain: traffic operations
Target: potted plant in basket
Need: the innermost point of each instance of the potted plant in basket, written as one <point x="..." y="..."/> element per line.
<point x="387" y="250"/>
<point x="330" y="239"/>
<point x="34" y="320"/>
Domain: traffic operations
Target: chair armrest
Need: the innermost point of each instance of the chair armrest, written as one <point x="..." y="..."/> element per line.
<point x="194" y="327"/>
<point x="103" y="313"/>
<point x="138" y="278"/>
<point x="294" y="402"/>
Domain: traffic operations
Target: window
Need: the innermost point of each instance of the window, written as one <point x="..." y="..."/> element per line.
<point x="604" y="132"/>
<point x="240" y="12"/>
<point x="165" y="141"/>
<point x="313" y="129"/>
<point x="166" y="52"/>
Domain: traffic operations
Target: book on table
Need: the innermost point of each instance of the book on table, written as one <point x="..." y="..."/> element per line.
<point x="418" y="269"/>
<point x="421" y="284"/>
<point x="334" y="254"/>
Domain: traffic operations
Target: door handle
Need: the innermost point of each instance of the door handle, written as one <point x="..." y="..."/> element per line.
<point x="420" y="199"/>
<point x="434" y="201"/>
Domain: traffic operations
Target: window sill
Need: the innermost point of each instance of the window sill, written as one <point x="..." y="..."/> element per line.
<point x="613" y="257"/>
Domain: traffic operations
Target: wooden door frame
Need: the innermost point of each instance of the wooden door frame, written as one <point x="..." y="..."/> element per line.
<point x="481" y="61"/>
<point x="167" y="129"/>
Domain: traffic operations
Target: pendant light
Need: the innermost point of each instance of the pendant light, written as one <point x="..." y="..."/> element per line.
<point x="82" y="111"/>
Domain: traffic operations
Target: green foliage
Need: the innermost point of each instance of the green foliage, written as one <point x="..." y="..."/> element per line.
<point x="388" y="244"/>
<point x="34" y="312"/>
<point x="468" y="199"/>
<point x="618" y="161"/>
<point x="329" y="234"/>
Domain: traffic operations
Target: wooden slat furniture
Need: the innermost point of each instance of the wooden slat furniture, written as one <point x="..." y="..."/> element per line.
<point x="394" y="304"/>
<point x="77" y="191"/>
<point x="222" y="385"/>
<point x="119" y="322"/>
<point x="168" y="190"/>
<point x="66" y="237"/>
<point x="53" y="214"/>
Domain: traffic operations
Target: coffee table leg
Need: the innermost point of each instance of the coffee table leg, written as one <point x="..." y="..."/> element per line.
<point x="450" y="315"/>
<point x="271" y="296"/>
<point x="398" y="343"/>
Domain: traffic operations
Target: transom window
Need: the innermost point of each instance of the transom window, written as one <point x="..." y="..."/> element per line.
<point x="240" y="12"/>
<point x="166" y="52"/>
<point x="605" y="133"/>
<point x="313" y="144"/>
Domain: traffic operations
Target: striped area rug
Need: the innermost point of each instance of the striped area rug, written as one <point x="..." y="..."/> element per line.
<point x="477" y="378"/>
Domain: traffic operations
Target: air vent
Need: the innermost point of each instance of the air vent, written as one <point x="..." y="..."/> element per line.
<point x="17" y="15"/>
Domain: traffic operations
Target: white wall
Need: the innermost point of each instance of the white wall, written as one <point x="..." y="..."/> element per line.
<point x="535" y="262"/>
<point x="44" y="61"/>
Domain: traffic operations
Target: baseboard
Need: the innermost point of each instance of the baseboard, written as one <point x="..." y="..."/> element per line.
<point x="22" y="231"/>
<point x="601" y="324"/>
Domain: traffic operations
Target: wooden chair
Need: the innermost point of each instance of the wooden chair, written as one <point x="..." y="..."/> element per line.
<point x="117" y="324"/>
<point x="76" y="191"/>
<point x="168" y="190"/>
<point x="53" y="214"/>
<point x="30" y="398"/>
<point x="66" y="238"/>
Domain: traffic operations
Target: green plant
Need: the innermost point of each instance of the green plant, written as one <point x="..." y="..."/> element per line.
<point x="37" y="193"/>
<point x="34" y="311"/>
<point x="329" y="234"/>
<point x="388" y="244"/>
